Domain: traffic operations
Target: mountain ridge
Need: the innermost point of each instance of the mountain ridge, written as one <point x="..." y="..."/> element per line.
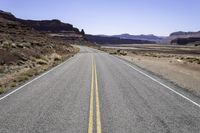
<point x="178" y="36"/>
<point x="106" y="40"/>
<point x="149" y="37"/>
<point x="53" y="25"/>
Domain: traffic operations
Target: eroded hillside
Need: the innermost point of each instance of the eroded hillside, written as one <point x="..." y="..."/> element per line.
<point x="26" y="51"/>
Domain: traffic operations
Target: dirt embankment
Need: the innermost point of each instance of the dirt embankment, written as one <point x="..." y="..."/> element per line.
<point x="25" y="52"/>
<point x="21" y="59"/>
<point x="179" y="64"/>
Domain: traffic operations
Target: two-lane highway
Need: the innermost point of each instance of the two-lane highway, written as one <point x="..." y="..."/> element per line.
<point x="96" y="92"/>
<point x="94" y="84"/>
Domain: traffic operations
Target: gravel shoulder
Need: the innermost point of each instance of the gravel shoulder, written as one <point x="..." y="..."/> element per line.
<point x="176" y="64"/>
<point x="184" y="75"/>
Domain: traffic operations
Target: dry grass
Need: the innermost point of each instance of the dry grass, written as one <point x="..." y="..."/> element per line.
<point x="13" y="85"/>
<point x="20" y="73"/>
<point x="1" y="69"/>
<point x="2" y="90"/>
<point x="55" y="57"/>
<point x="21" y="78"/>
<point x="114" y="51"/>
<point x="191" y="59"/>
<point x="28" y="51"/>
<point x="41" y="62"/>
<point x="32" y="72"/>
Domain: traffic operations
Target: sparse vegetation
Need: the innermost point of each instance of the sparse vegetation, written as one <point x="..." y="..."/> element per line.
<point x="113" y="52"/>
<point x="25" y="51"/>
<point x="41" y="62"/>
<point x="56" y="57"/>
<point x="1" y="69"/>
<point x="29" y="69"/>
<point x="43" y="58"/>
<point x="194" y="60"/>
<point x="170" y="62"/>
<point x="21" y="78"/>
<point x="13" y="85"/>
<point x="2" y="90"/>
<point x="31" y="72"/>
<point x="122" y="52"/>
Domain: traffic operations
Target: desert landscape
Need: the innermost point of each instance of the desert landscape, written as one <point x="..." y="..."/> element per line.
<point x="28" y="48"/>
<point x="99" y="66"/>
<point x="176" y="63"/>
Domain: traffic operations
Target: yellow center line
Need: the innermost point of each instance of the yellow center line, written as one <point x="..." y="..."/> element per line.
<point x="94" y="80"/>
<point x="98" y="116"/>
<point x="90" y="125"/>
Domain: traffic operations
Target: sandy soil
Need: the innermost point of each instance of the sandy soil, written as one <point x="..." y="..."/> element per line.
<point x="185" y="75"/>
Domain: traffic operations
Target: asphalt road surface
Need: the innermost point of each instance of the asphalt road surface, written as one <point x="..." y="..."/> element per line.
<point x="97" y="92"/>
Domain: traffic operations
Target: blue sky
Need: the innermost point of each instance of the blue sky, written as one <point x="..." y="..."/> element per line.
<point x="159" y="17"/>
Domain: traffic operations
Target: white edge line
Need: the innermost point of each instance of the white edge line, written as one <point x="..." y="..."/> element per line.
<point x="34" y="79"/>
<point x="160" y="83"/>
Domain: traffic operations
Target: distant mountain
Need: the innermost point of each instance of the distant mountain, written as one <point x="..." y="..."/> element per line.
<point x="185" y="34"/>
<point x="181" y="36"/>
<point x="150" y="37"/>
<point x="104" y="40"/>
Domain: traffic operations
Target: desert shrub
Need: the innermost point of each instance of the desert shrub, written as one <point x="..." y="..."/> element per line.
<point x="1" y="69"/>
<point x="31" y="72"/>
<point x="13" y="85"/>
<point x="43" y="58"/>
<point x="133" y="52"/>
<point x="122" y="52"/>
<point x="56" y="57"/>
<point x="192" y="60"/>
<point x="21" y="78"/>
<point x="6" y="44"/>
<point x="113" y="52"/>
<point x="2" y="90"/>
<point x="154" y="55"/>
<point x="41" y="62"/>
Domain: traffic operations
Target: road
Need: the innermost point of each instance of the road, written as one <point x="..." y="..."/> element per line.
<point x="97" y="92"/>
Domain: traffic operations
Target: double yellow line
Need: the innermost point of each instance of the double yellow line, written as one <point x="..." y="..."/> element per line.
<point x="94" y="83"/>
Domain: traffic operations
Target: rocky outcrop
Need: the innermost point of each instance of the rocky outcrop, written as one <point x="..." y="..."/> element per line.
<point x="54" y="26"/>
<point x="27" y="39"/>
<point x="180" y="37"/>
<point x="185" y="41"/>
<point x="184" y="38"/>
